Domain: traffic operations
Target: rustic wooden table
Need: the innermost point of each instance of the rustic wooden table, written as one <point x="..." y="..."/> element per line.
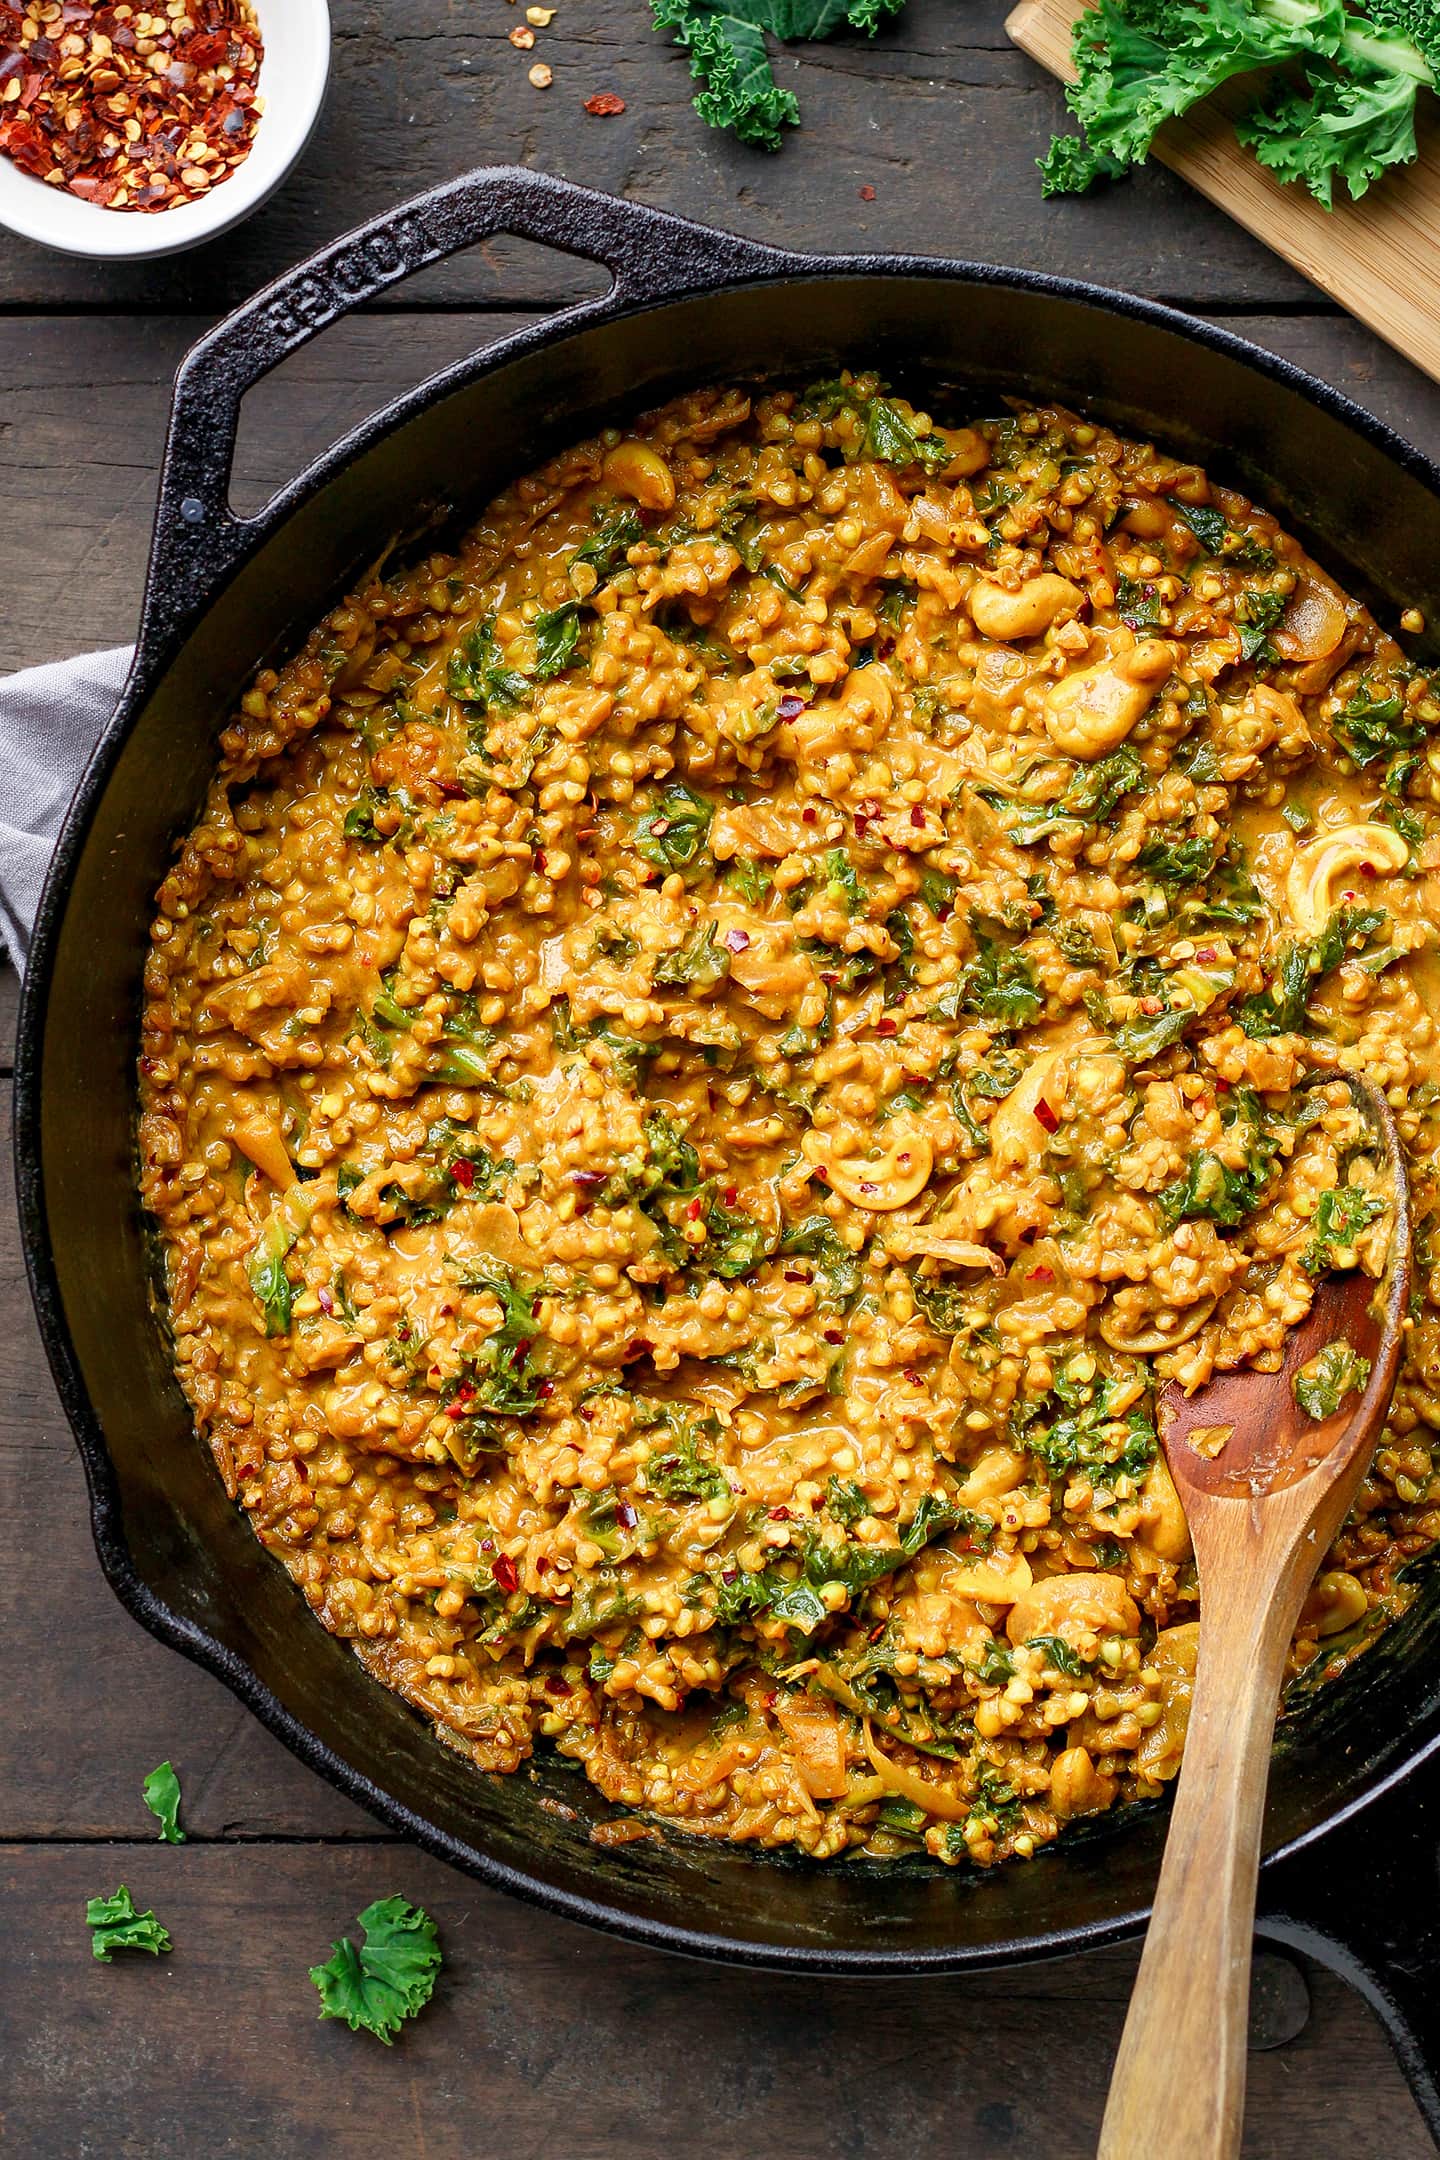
<point x="542" y="2037"/>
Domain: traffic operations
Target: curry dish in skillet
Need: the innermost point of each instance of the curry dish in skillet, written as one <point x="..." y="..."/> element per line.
<point x="717" y="1041"/>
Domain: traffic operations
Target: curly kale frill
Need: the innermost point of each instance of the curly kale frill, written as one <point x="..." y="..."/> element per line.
<point x="1336" y="102"/>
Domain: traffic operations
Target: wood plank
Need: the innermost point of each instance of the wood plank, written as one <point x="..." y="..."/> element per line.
<point x="91" y="1701"/>
<point x="9" y="1010"/>
<point x="83" y="409"/>
<point x="1379" y="257"/>
<point x="542" y="2037"/>
<point x="84" y="404"/>
<point x="420" y="92"/>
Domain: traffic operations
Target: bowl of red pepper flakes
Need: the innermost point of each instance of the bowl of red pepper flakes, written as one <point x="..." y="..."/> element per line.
<point x="132" y="128"/>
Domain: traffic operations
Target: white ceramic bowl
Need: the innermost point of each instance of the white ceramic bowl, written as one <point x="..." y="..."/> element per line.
<point x="293" y="75"/>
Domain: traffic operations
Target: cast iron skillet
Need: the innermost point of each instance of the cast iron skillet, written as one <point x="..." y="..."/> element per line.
<point x="1351" y="1870"/>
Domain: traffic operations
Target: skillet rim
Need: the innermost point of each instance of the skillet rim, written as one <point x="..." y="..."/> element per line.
<point x="154" y="654"/>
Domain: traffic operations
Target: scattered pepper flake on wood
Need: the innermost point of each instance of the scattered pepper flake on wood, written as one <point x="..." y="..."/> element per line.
<point x="522" y="37"/>
<point x="541" y="76"/>
<point x="130" y="107"/>
<point x="604" y="104"/>
<point x="541" y="17"/>
<point x="867" y="193"/>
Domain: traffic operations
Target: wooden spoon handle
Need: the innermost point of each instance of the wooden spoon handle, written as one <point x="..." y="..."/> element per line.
<point x="1178" y="2086"/>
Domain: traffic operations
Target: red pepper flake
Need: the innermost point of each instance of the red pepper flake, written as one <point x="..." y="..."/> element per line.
<point x="326" y="1301"/>
<point x="867" y="193"/>
<point x="641" y="1346"/>
<point x="1367" y="869"/>
<point x="506" y="1574"/>
<point x="626" y="1516"/>
<point x="779" y="1514"/>
<point x="695" y="1210"/>
<point x="885" y="647"/>
<point x="1207" y="952"/>
<point x="729" y="1196"/>
<point x="87" y="111"/>
<point x="1045" y="1116"/>
<point x="659" y="827"/>
<point x="463" y="1172"/>
<point x="544" y="1389"/>
<point x="1041" y="1273"/>
<point x="833" y="1335"/>
<point x="820" y="1174"/>
<point x="912" y="1376"/>
<point x="587" y="1180"/>
<point x="1150" y="1006"/>
<point x="862" y="824"/>
<point x="604" y="105"/>
<point x="737" y="940"/>
<point x="540" y="861"/>
<point x="556" y="1684"/>
<point x="917" y="815"/>
<point x="790" y="708"/>
<point x="808" y="815"/>
<point x="887" y="1026"/>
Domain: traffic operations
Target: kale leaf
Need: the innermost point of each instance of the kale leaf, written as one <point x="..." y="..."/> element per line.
<point x="1367" y="728"/>
<point x="1213" y="1188"/>
<point x="477" y="672"/>
<point x="389" y="1978"/>
<point x="1282" y="1008"/>
<point x="1339" y="1220"/>
<point x="1321" y="1385"/>
<point x="1343" y="113"/>
<point x="725" y="46"/>
<point x="556" y="634"/>
<point x="161" y="1792"/>
<point x="115" y="1924"/>
<point x="674" y="833"/>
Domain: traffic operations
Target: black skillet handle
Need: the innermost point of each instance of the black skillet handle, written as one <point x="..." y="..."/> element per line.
<point x="1365" y="1900"/>
<point x="650" y="255"/>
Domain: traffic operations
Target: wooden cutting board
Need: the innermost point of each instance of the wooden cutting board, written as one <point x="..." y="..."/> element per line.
<point x="1379" y="257"/>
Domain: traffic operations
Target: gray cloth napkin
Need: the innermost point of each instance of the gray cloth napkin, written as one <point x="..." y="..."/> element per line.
<point x="50" y="720"/>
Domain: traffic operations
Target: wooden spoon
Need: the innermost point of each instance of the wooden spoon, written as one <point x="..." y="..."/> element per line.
<point x="1263" y="1509"/>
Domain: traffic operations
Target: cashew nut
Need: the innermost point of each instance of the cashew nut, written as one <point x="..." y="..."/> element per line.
<point x="897" y="1172"/>
<point x="1090" y="713"/>
<point x="1313" y="623"/>
<point x="941" y="1241"/>
<point x="1125" y="1329"/>
<point x="998" y="1472"/>
<point x="1007" y="615"/>
<point x="998" y="1580"/>
<point x="969" y="451"/>
<point x="259" y="1138"/>
<point x="1335" y="1603"/>
<point x="1084" y="1075"/>
<point x="1313" y="883"/>
<point x="1097" y="1602"/>
<point x="1076" y="1786"/>
<point x="1162" y="1528"/>
<point x="1173" y="1657"/>
<point x="634" y="469"/>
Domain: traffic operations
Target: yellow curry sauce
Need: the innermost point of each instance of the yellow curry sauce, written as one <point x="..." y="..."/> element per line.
<point x="714" y="1043"/>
